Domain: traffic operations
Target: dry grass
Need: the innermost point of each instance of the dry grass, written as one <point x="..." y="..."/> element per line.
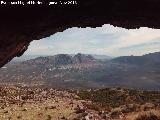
<point x="149" y="115"/>
<point x="37" y="111"/>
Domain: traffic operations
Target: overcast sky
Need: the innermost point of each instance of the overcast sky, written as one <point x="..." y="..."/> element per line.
<point x="105" y="40"/>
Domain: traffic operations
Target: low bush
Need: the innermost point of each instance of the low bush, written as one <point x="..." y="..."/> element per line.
<point x="149" y="116"/>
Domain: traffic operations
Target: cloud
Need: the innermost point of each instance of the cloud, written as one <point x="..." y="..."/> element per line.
<point x="108" y="40"/>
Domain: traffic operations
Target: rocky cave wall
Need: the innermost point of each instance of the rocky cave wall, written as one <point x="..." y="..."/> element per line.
<point x="19" y="24"/>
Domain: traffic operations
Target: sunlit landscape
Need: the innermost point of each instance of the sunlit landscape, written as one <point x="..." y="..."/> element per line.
<point x="103" y="73"/>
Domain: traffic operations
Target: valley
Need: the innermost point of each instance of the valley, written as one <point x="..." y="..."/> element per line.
<point x="84" y="72"/>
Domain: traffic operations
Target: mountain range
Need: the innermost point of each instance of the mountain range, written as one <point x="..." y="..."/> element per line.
<point x="148" y="59"/>
<point x="28" y="57"/>
<point x="85" y="71"/>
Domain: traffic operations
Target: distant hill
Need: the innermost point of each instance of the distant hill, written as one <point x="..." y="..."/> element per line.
<point x="102" y="57"/>
<point x="61" y="59"/>
<point x="148" y="59"/>
<point x="29" y="57"/>
<point x="25" y="57"/>
<point x="84" y="71"/>
<point x="82" y="58"/>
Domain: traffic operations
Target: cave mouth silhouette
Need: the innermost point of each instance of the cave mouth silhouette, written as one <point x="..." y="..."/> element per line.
<point x="22" y="24"/>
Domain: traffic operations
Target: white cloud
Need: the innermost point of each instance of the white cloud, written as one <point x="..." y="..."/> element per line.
<point x="107" y="40"/>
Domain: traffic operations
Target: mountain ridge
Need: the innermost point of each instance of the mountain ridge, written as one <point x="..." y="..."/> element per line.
<point x="84" y="71"/>
<point x="139" y="60"/>
<point x="62" y="59"/>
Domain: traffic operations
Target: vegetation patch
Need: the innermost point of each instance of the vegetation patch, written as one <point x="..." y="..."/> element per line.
<point x="149" y="116"/>
<point x="116" y="97"/>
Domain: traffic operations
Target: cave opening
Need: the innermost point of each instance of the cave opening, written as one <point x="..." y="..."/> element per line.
<point x="105" y="40"/>
<point x="89" y="58"/>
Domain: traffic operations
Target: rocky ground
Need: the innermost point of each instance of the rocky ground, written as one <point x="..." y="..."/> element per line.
<point x="51" y="104"/>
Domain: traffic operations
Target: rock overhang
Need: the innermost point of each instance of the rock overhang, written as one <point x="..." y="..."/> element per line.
<point x="20" y="24"/>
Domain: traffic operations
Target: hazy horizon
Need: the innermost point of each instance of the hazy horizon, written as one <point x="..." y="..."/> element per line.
<point x="85" y="54"/>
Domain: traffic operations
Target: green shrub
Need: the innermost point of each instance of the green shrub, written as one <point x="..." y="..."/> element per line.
<point x="92" y="107"/>
<point x="116" y="97"/>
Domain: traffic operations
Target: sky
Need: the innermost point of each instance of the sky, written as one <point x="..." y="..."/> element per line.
<point x="105" y="40"/>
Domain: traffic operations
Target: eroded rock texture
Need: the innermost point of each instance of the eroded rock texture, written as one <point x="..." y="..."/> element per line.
<point x="19" y="25"/>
